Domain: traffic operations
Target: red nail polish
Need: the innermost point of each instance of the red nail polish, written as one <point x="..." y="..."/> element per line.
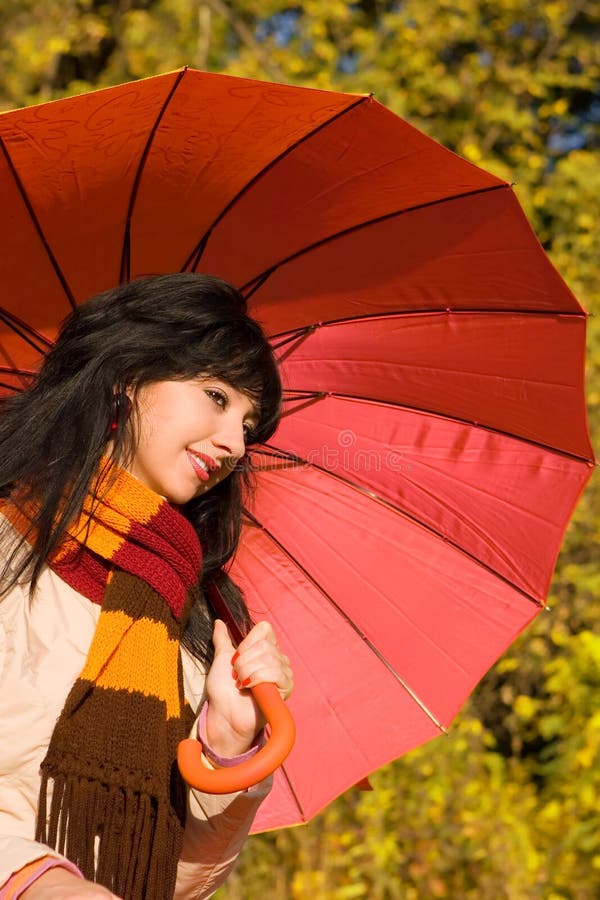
<point x="234" y="675"/>
<point x="234" y="658"/>
<point x="246" y="682"/>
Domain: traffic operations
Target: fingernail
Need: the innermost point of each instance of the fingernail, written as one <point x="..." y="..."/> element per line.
<point x="246" y="682"/>
<point x="234" y="675"/>
<point x="238" y="684"/>
<point x="234" y="658"/>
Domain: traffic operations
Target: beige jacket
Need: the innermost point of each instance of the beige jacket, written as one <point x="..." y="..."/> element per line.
<point x="43" y="646"/>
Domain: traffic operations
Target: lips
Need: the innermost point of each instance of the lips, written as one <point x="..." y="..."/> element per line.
<point x="202" y="464"/>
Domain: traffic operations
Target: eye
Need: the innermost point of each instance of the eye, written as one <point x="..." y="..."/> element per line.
<point x="248" y="432"/>
<point x="219" y="397"/>
<point x="222" y="400"/>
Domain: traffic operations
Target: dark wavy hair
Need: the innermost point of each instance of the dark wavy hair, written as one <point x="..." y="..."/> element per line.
<point x="54" y="433"/>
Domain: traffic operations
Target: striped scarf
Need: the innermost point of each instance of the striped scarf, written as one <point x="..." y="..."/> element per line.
<point x="118" y="802"/>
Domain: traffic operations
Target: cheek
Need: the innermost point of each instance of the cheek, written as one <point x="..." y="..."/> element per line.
<point x="144" y="431"/>
<point x="156" y="442"/>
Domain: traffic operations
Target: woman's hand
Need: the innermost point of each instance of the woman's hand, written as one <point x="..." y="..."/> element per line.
<point x="60" y="884"/>
<point x="234" y="718"/>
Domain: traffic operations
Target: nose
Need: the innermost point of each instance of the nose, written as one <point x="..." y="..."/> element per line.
<point x="230" y="437"/>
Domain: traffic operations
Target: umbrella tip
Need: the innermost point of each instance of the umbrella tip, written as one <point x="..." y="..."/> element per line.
<point x="364" y="784"/>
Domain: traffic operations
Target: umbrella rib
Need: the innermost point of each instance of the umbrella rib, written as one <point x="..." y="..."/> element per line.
<point x="22" y="373"/>
<point x="298" y="461"/>
<point x="344" y="615"/>
<point x="26" y="332"/>
<point x="125" y="272"/>
<point x="308" y="399"/>
<point x="321" y="395"/>
<point x="293" y="792"/>
<point x="296" y="337"/>
<point x="303" y="331"/>
<point x="36" y="224"/>
<point x="255" y="283"/>
<point x="193" y="261"/>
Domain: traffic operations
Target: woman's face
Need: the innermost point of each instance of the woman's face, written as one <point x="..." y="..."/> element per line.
<point x="191" y="434"/>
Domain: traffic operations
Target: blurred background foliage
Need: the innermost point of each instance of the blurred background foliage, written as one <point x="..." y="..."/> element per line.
<point x="507" y="805"/>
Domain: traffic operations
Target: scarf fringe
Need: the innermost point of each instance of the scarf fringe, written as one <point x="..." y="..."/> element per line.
<point x="111" y="834"/>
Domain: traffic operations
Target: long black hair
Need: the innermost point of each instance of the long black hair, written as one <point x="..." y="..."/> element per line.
<point x="53" y="434"/>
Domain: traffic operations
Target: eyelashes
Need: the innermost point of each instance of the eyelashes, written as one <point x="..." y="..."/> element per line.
<point x="220" y="398"/>
<point x="249" y="433"/>
<point x="222" y="401"/>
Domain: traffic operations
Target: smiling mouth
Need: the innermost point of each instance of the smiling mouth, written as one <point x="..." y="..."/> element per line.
<point x="200" y="465"/>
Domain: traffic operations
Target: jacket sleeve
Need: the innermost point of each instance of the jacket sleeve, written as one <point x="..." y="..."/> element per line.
<point x="216" y="828"/>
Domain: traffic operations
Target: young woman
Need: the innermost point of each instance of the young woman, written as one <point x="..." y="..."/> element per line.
<point x="123" y="475"/>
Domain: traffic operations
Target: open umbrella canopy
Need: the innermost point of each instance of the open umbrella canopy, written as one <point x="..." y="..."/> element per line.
<point x="410" y="507"/>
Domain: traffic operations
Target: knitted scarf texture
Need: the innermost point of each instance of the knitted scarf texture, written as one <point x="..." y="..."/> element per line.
<point x="118" y="801"/>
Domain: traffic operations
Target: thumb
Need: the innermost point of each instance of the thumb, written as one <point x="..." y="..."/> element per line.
<point x="221" y="640"/>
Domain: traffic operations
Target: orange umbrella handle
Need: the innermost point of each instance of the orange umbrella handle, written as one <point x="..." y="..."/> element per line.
<point x="268" y="758"/>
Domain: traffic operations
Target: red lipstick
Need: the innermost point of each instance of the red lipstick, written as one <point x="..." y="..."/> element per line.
<point x="195" y="461"/>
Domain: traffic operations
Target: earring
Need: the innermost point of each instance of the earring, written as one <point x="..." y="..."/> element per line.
<point x="121" y="409"/>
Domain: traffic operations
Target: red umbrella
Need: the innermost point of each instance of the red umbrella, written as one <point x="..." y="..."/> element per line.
<point x="411" y="505"/>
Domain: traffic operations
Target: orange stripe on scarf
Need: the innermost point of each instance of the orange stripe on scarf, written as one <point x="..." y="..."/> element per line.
<point x="140" y="656"/>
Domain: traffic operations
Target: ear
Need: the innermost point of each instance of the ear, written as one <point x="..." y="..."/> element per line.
<point x="121" y="410"/>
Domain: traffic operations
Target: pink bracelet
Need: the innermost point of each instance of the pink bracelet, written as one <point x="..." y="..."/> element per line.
<point x="225" y="761"/>
<point x="15" y="887"/>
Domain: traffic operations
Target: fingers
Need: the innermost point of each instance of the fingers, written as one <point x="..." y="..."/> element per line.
<point x="221" y="640"/>
<point x="259" y="659"/>
<point x="259" y="632"/>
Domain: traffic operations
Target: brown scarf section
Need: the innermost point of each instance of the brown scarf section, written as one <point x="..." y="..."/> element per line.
<point x="118" y="802"/>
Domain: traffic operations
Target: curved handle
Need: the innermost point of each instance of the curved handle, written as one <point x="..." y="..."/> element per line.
<point x="268" y="758"/>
